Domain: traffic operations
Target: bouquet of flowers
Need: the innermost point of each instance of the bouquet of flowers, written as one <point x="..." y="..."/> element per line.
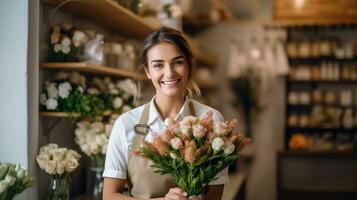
<point x="194" y="150"/>
<point x="13" y="180"/>
<point x="117" y="97"/>
<point x="93" y="137"/>
<point x="58" y="163"/>
<point x="65" y="43"/>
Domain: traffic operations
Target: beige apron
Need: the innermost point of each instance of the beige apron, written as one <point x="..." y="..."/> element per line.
<point x="142" y="181"/>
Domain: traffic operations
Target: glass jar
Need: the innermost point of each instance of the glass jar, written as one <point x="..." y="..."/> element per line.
<point x="59" y="188"/>
<point x="97" y="181"/>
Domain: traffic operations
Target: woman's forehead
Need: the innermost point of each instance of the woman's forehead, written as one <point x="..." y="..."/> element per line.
<point x="163" y="51"/>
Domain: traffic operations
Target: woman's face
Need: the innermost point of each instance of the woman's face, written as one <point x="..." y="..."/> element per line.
<point x="168" y="69"/>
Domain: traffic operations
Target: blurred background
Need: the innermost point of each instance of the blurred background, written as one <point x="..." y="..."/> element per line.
<point x="287" y="69"/>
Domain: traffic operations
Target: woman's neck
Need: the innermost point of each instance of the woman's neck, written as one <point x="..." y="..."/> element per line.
<point x="169" y="106"/>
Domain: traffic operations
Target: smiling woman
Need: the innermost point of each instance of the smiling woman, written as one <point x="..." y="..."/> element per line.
<point x="168" y="62"/>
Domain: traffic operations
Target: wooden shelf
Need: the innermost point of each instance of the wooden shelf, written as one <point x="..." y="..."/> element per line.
<point x="59" y="114"/>
<point x="235" y="183"/>
<point x="108" y="14"/>
<point x="322" y="81"/>
<point x="309" y="106"/>
<point x="119" y="19"/>
<point x="318" y="153"/>
<point x="317" y="129"/>
<point x="94" y="69"/>
<point x="309" y="23"/>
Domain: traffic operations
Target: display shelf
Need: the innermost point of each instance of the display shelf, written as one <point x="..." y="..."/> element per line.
<point x="322" y="81"/>
<point x="292" y="153"/>
<point x="59" y="114"/>
<point x="119" y="19"/>
<point x="108" y="14"/>
<point x="309" y="106"/>
<point x="320" y="129"/>
<point x="94" y="69"/>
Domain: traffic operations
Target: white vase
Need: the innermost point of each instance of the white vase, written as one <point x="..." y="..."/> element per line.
<point x="195" y="197"/>
<point x="93" y="51"/>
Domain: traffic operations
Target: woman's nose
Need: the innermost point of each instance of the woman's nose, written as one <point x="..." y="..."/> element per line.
<point x="169" y="71"/>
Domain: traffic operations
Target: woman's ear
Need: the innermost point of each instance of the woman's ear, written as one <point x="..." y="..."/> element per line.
<point x="147" y="72"/>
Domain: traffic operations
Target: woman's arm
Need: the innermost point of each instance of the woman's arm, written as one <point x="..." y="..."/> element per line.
<point x="113" y="188"/>
<point x="215" y="192"/>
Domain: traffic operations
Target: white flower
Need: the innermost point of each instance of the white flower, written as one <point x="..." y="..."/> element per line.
<point x="93" y="91"/>
<point x="51" y="104"/>
<point x="128" y="86"/>
<point x="58" y="154"/>
<point x="71" y="164"/>
<point x="78" y="38"/>
<point x="104" y="149"/>
<point x="126" y="108"/>
<point x="97" y="127"/>
<point x="101" y="140"/>
<point x="113" y="91"/>
<point x="3" y="186"/>
<point x="64" y="89"/>
<point x="80" y="89"/>
<point x="48" y="148"/>
<point x="217" y="144"/>
<point x="52" y="91"/>
<point x="185" y="129"/>
<point x="66" y="49"/>
<point x="117" y="103"/>
<point x="61" y="166"/>
<point x="94" y="148"/>
<point x="43" y="99"/>
<point x="173" y="155"/>
<point x="57" y="48"/>
<point x="21" y="173"/>
<point x="50" y="167"/>
<point x="66" y="42"/>
<point x="229" y="149"/>
<point x="9" y="180"/>
<point x="220" y="128"/>
<point x="72" y="154"/>
<point x="176" y="143"/>
<point x="85" y="149"/>
<point x="76" y="78"/>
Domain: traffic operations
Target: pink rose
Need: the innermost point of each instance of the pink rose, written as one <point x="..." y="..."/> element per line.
<point x="189" y="121"/>
<point x="176" y="143"/>
<point x="220" y="128"/>
<point x="198" y="131"/>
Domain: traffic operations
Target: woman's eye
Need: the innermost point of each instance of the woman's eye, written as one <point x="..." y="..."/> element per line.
<point x="158" y="65"/>
<point x="178" y="62"/>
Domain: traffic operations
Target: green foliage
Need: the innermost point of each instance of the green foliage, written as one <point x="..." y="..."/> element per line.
<point x="195" y="177"/>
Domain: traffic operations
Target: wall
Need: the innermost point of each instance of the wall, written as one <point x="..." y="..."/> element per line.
<point x="13" y="81"/>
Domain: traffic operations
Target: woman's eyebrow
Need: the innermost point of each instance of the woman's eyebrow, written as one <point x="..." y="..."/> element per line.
<point x="177" y="57"/>
<point x="157" y="61"/>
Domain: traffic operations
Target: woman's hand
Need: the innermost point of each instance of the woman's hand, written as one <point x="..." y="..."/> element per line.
<point x="176" y="194"/>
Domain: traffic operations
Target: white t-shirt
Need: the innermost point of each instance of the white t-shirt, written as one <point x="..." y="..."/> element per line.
<point x="122" y="137"/>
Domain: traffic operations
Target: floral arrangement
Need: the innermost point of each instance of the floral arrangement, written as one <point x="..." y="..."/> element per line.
<point x="57" y="161"/>
<point x="13" y="180"/>
<point x="65" y="43"/>
<point x="194" y="150"/>
<point x="93" y="137"/>
<point x="65" y="93"/>
<point x="117" y="97"/>
<point x="68" y="92"/>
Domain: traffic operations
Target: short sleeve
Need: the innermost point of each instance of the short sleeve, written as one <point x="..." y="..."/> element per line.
<point x="116" y="158"/>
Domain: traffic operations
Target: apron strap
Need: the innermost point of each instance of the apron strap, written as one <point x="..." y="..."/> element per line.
<point x="192" y="109"/>
<point x="142" y="121"/>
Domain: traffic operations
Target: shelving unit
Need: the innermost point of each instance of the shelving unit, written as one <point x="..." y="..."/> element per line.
<point x="94" y="69"/>
<point x="309" y="160"/>
<point x="116" y="18"/>
<point x="59" y="114"/>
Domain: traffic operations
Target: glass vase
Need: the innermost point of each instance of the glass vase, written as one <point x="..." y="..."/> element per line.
<point x="59" y="188"/>
<point x="97" y="180"/>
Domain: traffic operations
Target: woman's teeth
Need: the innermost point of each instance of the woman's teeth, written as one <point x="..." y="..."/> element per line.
<point x="170" y="83"/>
